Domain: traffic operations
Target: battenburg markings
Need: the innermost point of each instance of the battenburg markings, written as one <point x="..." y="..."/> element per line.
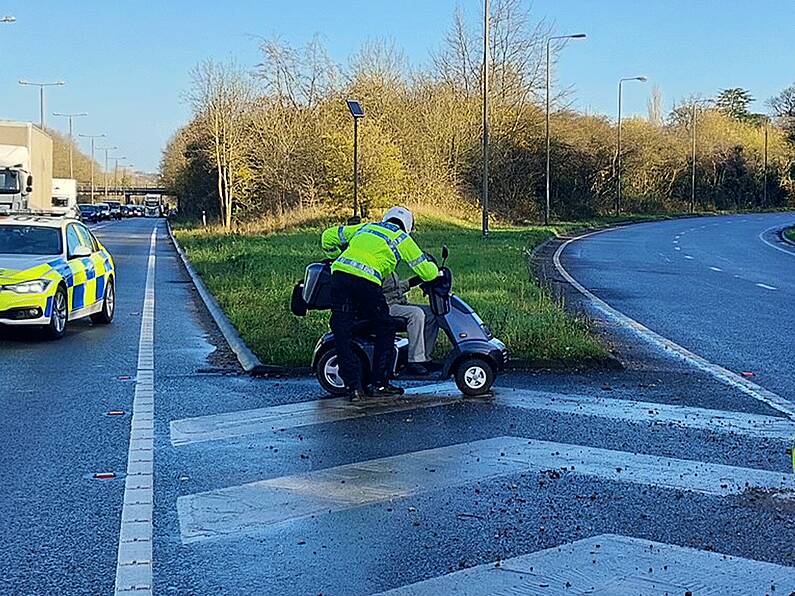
<point x="262" y="420"/>
<point x="250" y="508"/>
<point x="610" y="564"/>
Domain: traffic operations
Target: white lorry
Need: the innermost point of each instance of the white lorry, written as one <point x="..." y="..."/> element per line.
<point x="25" y="168"/>
<point x="64" y="196"/>
<point x="153" y="206"/>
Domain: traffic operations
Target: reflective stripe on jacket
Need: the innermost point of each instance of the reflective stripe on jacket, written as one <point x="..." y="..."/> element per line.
<point x="373" y="250"/>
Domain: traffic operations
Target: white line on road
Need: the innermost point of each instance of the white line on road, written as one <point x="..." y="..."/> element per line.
<point x="134" y="563"/>
<point x="770" y="244"/>
<point x="250" y="508"/>
<point x="766" y="287"/>
<point x="234" y="425"/>
<point x="718" y="269"/>
<point x="689" y="257"/>
<point x="724" y="375"/>
<point x="611" y="564"/>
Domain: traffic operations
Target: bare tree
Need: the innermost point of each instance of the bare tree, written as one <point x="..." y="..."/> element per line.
<point x="655" y="106"/>
<point x="221" y="97"/>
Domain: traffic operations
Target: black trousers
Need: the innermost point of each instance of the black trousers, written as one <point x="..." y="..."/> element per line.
<point x="355" y="299"/>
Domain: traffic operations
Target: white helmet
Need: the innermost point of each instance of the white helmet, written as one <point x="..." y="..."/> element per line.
<point x="403" y="215"/>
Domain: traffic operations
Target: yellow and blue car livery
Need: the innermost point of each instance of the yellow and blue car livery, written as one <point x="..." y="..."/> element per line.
<point x="30" y="282"/>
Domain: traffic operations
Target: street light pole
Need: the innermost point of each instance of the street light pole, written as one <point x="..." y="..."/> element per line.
<point x="764" y="182"/>
<point x="41" y="86"/>
<point x="106" y="149"/>
<point x="486" y="62"/>
<point x="548" y="183"/>
<point x="116" y="159"/>
<point x="357" y="112"/>
<point x="71" y="138"/>
<point x="618" y="149"/>
<point x="92" y="137"/>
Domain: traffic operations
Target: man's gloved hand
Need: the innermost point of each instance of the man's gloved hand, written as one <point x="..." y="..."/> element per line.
<point x="415" y="281"/>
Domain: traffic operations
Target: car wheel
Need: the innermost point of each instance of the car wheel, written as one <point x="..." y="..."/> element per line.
<point x="474" y="376"/>
<point x="105" y="316"/>
<point x="60" y="314"/>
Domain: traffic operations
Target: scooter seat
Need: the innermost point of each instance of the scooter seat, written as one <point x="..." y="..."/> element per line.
<point x="366" y="328"/>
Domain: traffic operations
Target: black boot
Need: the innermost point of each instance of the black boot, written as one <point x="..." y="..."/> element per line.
<point x="357" y="396"/>
<point x="387" y="390"/>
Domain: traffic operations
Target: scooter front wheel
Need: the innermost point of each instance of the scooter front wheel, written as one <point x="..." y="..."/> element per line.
<point x="475" y="376"/>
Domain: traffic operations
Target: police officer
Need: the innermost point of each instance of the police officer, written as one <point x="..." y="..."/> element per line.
<point x="365" y="255"/>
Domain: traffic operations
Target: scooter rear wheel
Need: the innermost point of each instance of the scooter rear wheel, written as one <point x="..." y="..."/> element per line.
<point x="327" y="372"/>
<point x="475" y="376"/>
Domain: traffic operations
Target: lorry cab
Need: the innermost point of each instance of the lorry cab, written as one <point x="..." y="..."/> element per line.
<point x="25" y="168"/>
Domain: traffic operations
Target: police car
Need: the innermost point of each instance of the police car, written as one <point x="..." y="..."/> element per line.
<point x="53" y="270"/>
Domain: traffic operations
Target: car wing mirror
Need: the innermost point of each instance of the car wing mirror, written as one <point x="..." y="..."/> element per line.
<point x="80" y="252"/>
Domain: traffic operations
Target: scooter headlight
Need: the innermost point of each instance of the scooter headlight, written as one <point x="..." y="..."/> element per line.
<point x="37" y="286"/>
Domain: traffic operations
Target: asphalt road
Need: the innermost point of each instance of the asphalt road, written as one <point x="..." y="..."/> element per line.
<point x="722" y="287"/>
<point x="262" y="487"/>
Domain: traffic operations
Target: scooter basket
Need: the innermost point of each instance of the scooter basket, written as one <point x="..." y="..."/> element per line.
<point x="317" y="286"/>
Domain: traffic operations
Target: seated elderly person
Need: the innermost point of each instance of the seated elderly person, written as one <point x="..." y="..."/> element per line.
<point x="422" y="326"/>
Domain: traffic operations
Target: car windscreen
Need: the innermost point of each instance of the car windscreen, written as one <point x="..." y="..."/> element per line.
<point x="9" y="182"/>
<point x="30" y="240"/>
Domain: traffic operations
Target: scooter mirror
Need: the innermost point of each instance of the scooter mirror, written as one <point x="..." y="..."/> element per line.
<point x="445" y="252"/>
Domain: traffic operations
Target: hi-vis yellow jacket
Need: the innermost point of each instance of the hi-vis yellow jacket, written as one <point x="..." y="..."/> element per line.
<point x="373" y="250"/>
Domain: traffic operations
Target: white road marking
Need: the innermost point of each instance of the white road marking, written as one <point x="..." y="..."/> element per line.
<point x="677" y="248"/>
<point x="688" y="257"/>
<point x="134" y="563"/>
<point x="253" y="507"/>
<point x="611" y="564"/>
<point x="771" y="245"/>
<point x="766" y="287"/>
<point x="234" y="425"/>
<point x="718" y="269"/>
<point x="722" y="374"/>
<point x="250" y="422"/>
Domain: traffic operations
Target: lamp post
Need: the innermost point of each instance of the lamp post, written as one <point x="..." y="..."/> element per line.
<point x="764" y="177"/>
<point x="116" y="159"/>
<point x="642" y="79"/>
<point x="92" y="137"/>
<point x="106" y="149"/>
<point x="71" y="138"/>
<point x="41" y="86"/>
<point x="486" y="63"/>
<point x="548" y="183"/>
<point x="358" y="113"/>
<point x="693" y="120"/>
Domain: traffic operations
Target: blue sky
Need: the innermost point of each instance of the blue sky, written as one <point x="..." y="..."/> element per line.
<point x="126" y="62"/>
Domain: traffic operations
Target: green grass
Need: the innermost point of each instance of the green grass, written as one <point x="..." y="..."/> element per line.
<point x="252" y="277"/>
<point x="790" y="234"/>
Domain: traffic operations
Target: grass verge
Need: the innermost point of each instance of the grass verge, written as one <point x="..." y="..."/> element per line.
<point x="252" y="276"/>
<point x="790" y="234"/>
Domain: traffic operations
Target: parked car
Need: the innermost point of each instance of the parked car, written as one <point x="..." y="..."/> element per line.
<point x="127" y="211"/>
<point x="89" y="213"/>
<point x="115" y="209"/>
<point x="104" y="211"/>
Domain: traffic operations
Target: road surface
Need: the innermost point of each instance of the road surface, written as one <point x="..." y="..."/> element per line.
<point x="722" y="287"/>
<point x="645" y="477"/>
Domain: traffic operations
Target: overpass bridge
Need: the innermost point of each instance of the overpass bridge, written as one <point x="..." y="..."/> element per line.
<point x="122" y="194"/>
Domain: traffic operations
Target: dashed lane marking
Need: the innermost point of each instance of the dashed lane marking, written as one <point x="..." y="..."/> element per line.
<point x="134" y="563"/>
<point x="689" y="257"/>
<point x="611" y="564"/>
<point x="716" y="371"/>
<point x="718" y="269"/>
<point x="765" y="287"/>
<point x="251" y="508"/>
<point x="232" y="425"/>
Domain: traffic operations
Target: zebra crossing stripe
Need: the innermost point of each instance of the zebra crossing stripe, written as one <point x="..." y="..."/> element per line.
<point x="252" y="507"/>
<point x="262" y="420"/>
<point x="611" y="564"/>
